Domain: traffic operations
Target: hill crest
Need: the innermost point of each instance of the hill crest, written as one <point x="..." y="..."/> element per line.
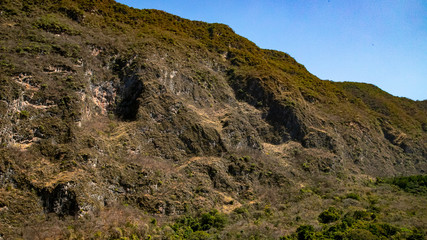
<point x="112" y="111"/>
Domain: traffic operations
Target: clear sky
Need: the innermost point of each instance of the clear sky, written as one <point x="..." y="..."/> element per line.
<point x="383" y="42"/>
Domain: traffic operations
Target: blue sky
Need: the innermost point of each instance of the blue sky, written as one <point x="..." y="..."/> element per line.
<point x="383" y="42"/>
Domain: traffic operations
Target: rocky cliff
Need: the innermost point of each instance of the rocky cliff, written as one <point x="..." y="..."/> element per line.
<point x="139" y="116"/>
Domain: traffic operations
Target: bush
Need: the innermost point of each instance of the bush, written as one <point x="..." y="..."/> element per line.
<point x="354" y="196"/>
<point x="51" y="24"/>
<point x="362" y="215"/>
<point x="195" y="228"/>
<point x="73" y="13"/>
<point x="213" y="219"/>
<point x="24" y="114"/>
<point x="360" y="234"/>
<point x="199" y="235"/>
<point x="383" y="229"/>
<point x="350" y="228"/>
<point x="412" y="184"/>
<point x="416" y="184"/>
<point x="305" y="232"/>
<point x="330" y="215"/>
<point x="417" y="235"/>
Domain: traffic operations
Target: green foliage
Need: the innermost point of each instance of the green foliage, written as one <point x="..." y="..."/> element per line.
<point x="360" y="234"/>
<point x="110" y="55"/>
<point x="363" y="215"/>
<point x="7" y="66"/>
<point x="305" y="232"/>
<point x="305" y="167"/>
<point x="413" y="184"/>
<point x="73" y="13"/>
<point x="213" y="219"/>
<point x="329" y="215"/>
<point x="199" y="235"/>
<point x="355" y="225"/>
<point x="195" y="228"/>
<point x="24" y="114"/>
<point x="417" y="235"/>
<point x="354" y="196"/>
<point x="153" y="221"/>
<point x="242" y="210"/>
<point x="401" y="113"/>
<point x="51" y="23"/>
<point x="34" y="48"/>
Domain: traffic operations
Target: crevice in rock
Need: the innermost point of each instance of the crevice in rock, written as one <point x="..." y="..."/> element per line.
<point x="61" y="200"/>
<point x="282" y="115"/>
<point x="131" y="90"/>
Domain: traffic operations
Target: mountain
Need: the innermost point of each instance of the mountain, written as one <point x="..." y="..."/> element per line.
<point x="119" y="123"/>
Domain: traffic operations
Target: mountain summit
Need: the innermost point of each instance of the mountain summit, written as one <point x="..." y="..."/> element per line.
<point x="119" y="123"/>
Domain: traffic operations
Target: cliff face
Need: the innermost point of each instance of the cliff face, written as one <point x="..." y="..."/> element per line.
<point x="103" y="105"/>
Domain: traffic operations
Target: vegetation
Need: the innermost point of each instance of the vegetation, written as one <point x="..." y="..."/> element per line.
<point x="119" y="123"/>
<point x="353" y="226"/>
<point x="51" y="24"/>
<point x="329" y="215"/>
<point x="412" y="184"/>
<point x="197" y="228"/>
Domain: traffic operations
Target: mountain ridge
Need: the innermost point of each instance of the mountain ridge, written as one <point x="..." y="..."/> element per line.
<point x="109" y="111"/>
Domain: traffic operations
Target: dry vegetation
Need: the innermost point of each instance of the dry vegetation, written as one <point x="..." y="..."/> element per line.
<point x="118" y="123"/>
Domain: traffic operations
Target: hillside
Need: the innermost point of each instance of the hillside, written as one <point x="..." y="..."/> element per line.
<point x="119" y="123"/>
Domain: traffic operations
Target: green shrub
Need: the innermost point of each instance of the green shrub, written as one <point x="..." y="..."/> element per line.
<point x="241" y="210"/>
<point x="305" y="232"/>
<point x="350" y="228"/>
<point x="24" y="114"/>
<point x="329" y="215"/>
<point x="199" y="235"/>
<point x="305" y="167"/>
<point x="153" y="221"/>
<point x="362" y="215"/>
<point x="354" y="196"/>
<point x="383" y="229"/>
<point x="413" y="184"/>
<point x="417" y="235"/>
<point x="360" y="234"/>
<point x="50" y="23"/>
<point x="213" y="219"/>
<point x="195" y="228"/>
<point x="73" y="13"/>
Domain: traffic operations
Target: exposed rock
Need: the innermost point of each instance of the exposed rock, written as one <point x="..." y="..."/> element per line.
<point x="61" y="200"/>
<point x="133" y="115"/>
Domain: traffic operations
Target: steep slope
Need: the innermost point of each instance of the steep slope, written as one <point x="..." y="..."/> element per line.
<point x="102" y="106"/>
